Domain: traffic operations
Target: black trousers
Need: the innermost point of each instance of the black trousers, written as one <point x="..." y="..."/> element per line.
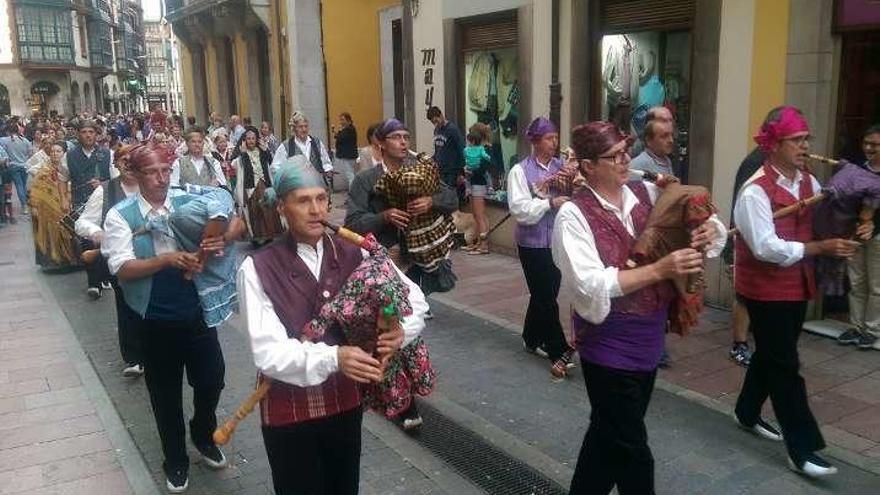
<point x="773" y="372"/>
<point x="615" y="449"/>
<point x="98" y="271"/>
<point x="128" y="327"/>
<point x="542" y="325"/>
<point x="316" y="457"/>
<point x="169" y="348"/>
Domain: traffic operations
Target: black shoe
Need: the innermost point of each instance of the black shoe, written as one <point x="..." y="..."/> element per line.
<point x="540" y="350"/>
<point x="811" y="465"/>
<point x="849" y="337"/>
<point x="177" y="481"/>
<point x="665" y="360"/>
<point x="761" y="428"/>
<point x="410" y="419"/>
<point x="740" y="354"/>
<point x="213" y="456"/>
<point x="866" y="341"/>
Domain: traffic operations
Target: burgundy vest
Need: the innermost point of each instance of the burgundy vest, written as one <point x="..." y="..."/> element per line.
<point x="297" y="297"/>
<point x="613" y="242"/>
<point x="764" y="281"/>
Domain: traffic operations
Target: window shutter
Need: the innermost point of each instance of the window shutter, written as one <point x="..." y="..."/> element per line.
<point x="622" y="16"/>
<point x="482" y="36"/>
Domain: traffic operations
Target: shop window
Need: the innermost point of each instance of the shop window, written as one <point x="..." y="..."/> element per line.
<point x="645" y="69"/>
<point x="490" y="85"/>
<point x="492" y="96"/>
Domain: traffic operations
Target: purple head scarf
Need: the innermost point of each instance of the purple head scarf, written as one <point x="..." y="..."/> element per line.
<point x="389" y="126"/>
<point x="539" y="127"/>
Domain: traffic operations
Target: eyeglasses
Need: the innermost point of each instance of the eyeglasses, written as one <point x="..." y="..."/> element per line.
<point x="618" y="158"/>
<point x="398" y="137"/>
<point x="799" y="140"/>
<point x="871" y="144"/>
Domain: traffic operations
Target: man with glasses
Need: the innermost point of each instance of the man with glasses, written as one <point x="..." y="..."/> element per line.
<point x="774" y="279"/>
<point x="864" y="268"/>
<point x="542" y="333"/>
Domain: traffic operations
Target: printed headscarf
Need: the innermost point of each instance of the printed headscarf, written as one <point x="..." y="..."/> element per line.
<point x="790" y="122"/>
<point x="593" y="139"/>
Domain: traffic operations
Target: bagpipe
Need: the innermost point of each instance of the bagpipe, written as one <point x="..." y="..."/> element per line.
<point x="376" y="278"/>
<point x="68" y="223"/>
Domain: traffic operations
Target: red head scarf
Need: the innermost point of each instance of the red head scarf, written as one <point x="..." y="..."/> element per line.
<point x="591" y="140"/>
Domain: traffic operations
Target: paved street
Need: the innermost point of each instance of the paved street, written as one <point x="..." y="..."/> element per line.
<point x="500" y="395"/>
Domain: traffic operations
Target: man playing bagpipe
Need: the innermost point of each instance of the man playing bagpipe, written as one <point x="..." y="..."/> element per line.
<point x="144" y="241"/>
<point x="312" y="413"/>
<point x="774" y="277"/>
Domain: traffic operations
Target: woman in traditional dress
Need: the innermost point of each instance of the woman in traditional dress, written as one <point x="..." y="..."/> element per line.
<point x="54" y="244"/>
<point x="252" y="170"/>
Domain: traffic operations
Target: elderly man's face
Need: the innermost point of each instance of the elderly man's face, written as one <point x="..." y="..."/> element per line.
<point x="195" y="143"/>
<point x="304" y="209"/>
<point x="662" y="142"/>
<point x="301" y="130"/>
<point x="546" y="145"/>
<point x="87" y="136"/>
<point x="154" y="179"/>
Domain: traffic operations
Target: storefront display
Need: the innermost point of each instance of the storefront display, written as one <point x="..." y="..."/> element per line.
<point x="645" y="69"/>
<point x="492" y="97"/>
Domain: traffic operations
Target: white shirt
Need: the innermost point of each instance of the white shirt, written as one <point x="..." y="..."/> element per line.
<point x="305" y="147"/>
<point x="301" y="363"/>
<point x="525" y="208"/>
<point x="40" y="159"/>
<point x="198" y="163"/>
<point x="754" y="220"/>
<point x="575" y="254"/>
<point x="88" y="225"/>
<point x="117" y="246"/>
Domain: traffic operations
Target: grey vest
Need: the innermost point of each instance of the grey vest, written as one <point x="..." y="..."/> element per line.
<point x="189" y="175"/>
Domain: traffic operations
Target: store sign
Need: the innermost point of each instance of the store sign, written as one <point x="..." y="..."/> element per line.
<point x="5" y="34"/>
<point x="856" y="15"/>
<point x="429" y="56"/>
<point x="44" y="88"/>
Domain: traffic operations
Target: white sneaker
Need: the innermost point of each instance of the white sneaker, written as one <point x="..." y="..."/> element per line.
<point x="94" y="293"/>
<point x="133" y="371"/>
<point x="105" y="285"/>
<point x="813" y="466"/>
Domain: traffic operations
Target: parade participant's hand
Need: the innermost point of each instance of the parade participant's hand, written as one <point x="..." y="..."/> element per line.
<point x="838" y="248"/>
<point x="358" y="365"/>
<point x="558" y="201"/>
<point x="390" y="339"/>
<point x="182" y="260"/>
<point x="420" y="205"/>
<point x="681" y="262"/>
<point x="865" y="230"/>
<point x="398" y="218"/>
<point x="704" y="235"/>
<point x="98" y="237"/>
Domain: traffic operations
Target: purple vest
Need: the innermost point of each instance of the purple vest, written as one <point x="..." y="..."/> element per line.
<point x="539" y="234"/>
<point x="631" y="337"/>
<point x="297" y="297"/>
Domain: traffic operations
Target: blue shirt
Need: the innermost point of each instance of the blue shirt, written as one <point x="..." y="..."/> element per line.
<point x="17" y="148"/>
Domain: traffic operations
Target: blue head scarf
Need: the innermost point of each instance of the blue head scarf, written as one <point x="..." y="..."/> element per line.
<point x="294" y="173"/>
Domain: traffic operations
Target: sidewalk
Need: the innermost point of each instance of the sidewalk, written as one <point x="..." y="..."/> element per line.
<point x="843" y="382"/>
<point x="60" y="433"/>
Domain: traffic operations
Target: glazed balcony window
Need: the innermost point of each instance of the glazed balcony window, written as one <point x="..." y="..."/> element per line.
<point x="45" y="35"/>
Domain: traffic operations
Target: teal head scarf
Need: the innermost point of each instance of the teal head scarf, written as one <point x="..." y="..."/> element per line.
<point x="294" y="173"/>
